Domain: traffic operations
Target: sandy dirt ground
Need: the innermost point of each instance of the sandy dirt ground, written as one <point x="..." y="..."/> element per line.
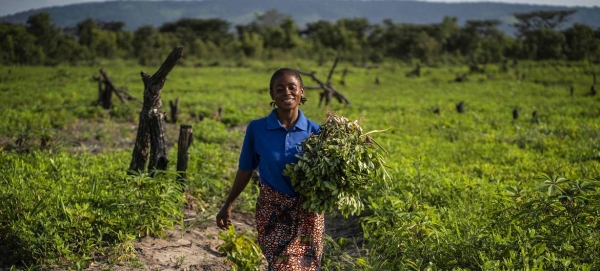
<point x="195" y="248"/>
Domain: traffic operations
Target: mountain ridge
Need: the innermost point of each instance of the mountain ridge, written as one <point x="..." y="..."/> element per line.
<point x="139" y="13"/>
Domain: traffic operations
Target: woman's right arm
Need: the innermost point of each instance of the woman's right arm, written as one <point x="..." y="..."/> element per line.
<point x="242" y="178"/>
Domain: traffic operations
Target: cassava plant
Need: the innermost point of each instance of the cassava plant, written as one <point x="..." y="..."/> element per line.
<point x="337" y="165"/>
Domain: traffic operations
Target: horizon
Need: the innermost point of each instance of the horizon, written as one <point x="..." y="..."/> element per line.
<point x="9" y="7"/>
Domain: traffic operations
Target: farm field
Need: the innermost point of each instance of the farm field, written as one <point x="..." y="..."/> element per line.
<point x="478" y="190"/>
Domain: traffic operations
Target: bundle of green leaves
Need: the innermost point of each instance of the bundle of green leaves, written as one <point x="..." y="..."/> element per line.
<point x="336" y="166"/>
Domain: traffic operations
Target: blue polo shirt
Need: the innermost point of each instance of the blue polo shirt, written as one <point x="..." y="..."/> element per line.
<point x="269" y="146"/>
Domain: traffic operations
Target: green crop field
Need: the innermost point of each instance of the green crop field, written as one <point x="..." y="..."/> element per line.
<point x="478" y="190"/>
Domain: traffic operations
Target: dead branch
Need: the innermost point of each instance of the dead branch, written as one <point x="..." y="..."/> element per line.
<point x="328" y="90"/>
<point x="110" y="86"/>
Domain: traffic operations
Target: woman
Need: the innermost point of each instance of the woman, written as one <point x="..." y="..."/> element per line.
<point x="290" y="237"/>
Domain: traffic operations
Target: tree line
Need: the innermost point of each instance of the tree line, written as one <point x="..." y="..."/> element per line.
<point x="540" y="36"/>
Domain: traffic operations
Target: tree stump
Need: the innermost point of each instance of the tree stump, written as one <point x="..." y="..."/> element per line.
<point x="343" y="80"/>
<point x="416" y="72"/>
<point x="174" y="110"/>
<point x="152" y="90"/>
<point x="158" y="142"/>
<point x="105" y="93"/>
<point x="460" y="107"/>
<point x="534" y="117"/>
<point x="572" y="90"/>
<point x="183" y="144"/>
<point x="328" y="90"/>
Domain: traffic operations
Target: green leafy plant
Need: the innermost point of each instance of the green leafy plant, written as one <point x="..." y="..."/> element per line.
<point x="241" y="250"/>
<point x="336" y="166"/>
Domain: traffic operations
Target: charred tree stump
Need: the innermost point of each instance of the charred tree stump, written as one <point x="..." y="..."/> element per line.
<point x="515" y="113"/>
<point x="343" y="80"/>
<point x="105" y="93"/>
<point x="105" y="96"/>
<point x="110" y="87"/>
<point x="460" y="107"/>
<point x="152" y="91"/>
<point x="572" y="91"/>
<point x="416" y="72"/>
<point x="593" y="91"/>
<point x="460" y="78"/>
<point x="534" y="117"/>
<point x="184" y="142"/>
<point x="328" y="90"/>
<point x="174" y="110"/>
<point x="158" y="142"/>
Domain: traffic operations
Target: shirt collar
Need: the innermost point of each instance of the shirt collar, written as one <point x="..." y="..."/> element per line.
<point x="273" y="122"/>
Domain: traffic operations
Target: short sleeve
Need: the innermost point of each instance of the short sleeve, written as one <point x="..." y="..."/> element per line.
<point x="248" y="156"/>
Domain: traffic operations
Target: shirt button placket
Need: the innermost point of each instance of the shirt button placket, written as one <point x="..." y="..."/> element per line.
<point x="287" y="142"/>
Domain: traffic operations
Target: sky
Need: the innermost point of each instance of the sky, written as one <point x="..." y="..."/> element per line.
<point x="13" y="6"/>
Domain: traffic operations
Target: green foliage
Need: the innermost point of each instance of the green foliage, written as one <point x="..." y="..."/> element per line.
<point x="563" y="214"/>
<point x="464" y="190"/>
<point x="71" y="208"/>
<point x="274" y="35"/>
<point x="123" y="113"/>
<point x="241" y="250"/>
<point x="336" y="167"/>
<point x="335" y="258"/>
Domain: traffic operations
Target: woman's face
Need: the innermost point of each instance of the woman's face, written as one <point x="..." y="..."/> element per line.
<point x="287" y="92"/>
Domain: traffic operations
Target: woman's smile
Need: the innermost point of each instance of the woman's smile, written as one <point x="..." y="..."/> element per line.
<point x="287" y="92"/>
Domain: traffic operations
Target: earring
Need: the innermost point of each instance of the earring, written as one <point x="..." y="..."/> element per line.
<point x="273" y="104"/>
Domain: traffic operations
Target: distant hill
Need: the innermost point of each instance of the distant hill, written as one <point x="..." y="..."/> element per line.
<point x="138" y="13"/>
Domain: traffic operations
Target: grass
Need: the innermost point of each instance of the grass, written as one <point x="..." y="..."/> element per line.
<point x="452" y="203"/>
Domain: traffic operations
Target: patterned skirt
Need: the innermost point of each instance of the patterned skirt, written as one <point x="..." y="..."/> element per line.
<point x="290" y="237"/>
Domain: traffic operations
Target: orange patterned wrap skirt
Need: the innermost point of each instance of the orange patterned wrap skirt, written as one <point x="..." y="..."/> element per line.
<point x="290" y="237"/>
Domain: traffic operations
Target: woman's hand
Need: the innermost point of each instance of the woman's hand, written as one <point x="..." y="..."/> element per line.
<point x="241" y="180"/>
<point x="223" y="221"/>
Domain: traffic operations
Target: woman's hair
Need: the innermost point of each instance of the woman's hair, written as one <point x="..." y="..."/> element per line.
<point x="281" y="72"/>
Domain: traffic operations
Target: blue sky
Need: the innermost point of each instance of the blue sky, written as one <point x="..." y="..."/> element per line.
<point x="14" y="6"/>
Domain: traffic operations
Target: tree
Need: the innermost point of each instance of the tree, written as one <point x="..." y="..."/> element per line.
<point x="251" y="44"/>
<point x="19" y="46"/>
<point x="480" y="40"/>
<point x="208" y="30"/>
<point x="580" y="42"/>
<point x="425" y="47"/>
<point x="84" y="32"/>
<point x="277" y="30"/>
<point x="70" y="50"/>
<point x="146" y="44"/>
<point x="46" y="34"/>
<point x="545" y="44"/>
<point x="111" y="26"/>
<point x="538" y="31"/>
<point x="102" y="39"/>
<point x="536" y="20"/>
